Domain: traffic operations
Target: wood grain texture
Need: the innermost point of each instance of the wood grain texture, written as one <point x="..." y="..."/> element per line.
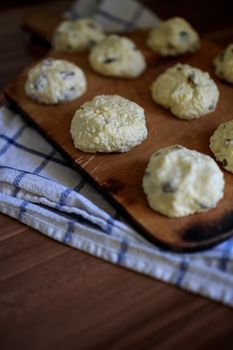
<point x="52" y="296"/>
<point x="119" y="176"/>
<point x="55" y="296"/>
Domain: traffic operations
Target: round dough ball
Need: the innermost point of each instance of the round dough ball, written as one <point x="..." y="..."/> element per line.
<point x="221" y="144"/>
<point x="117" y="56"/>
<point x="78" y="35"/>
<point x="53" y="81"/>
<point x="173" y="37"/>
<point x="187" y="91"/>
<point x="180" y="182"/>
<point x="108" y="124"/>
<point x="224" y="64"/>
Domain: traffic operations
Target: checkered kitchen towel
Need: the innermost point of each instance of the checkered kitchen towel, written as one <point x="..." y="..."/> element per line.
<point x="39" y="188"/>
<point x="115" y="16"/>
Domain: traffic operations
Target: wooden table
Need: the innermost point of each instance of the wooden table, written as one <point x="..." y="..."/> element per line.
<point x="55" y="297"/>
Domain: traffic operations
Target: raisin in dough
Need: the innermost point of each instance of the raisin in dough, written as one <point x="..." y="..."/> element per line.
<point x="76" y="36"/>
<point x="221" y="144"/>
<point x="108" y="123"/>
<point x="180" y="182"/>
<point x="224" y="64"/>
<point x="117" y="56"/>
<point x="187" y="91"/>
<point x="173" y="37"/>
<point x="53" y="81"/>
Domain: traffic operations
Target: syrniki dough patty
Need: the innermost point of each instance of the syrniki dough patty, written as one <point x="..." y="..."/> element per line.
<point x="108" y="123"/>
<point x="187" y="91"/>
<point x="173" y="37"/>
<point x="53" y="81"/>
<point x="117" y="56"/>
<point x="180" y="182"/>
<point x="221" y="144"/>
<point x="77" y="35"/>
<point x="223" y="63"/>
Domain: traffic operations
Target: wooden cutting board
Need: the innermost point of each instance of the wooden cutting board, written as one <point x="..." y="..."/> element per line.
<point x="41" y="25"/>
<point x="119" y="176"/>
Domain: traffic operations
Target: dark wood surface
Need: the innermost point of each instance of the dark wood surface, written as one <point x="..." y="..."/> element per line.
<point x="52" y="296"/>
<point x="164" y="129"/>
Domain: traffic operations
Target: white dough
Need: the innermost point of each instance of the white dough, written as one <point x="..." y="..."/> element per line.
<point x="180" y="182"/>
<point x="187" y="91"/>
<point x="108" y="124"/>
<point x="221" y="144"/>
<point x="53" y="81"/>
<point x="117" y="56"/>
<point x="173" y="37"/>
<point x="224" y="64"/>
<point x="78" y="35"/>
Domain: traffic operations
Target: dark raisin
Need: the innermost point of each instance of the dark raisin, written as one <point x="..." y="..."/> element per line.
<point x="67" y="96"/>
<point x="224" y="162"/>
<point x="194" y="47"/>
<point x="168" y="187"/>
<point x="211" y="107"/>
<point x="72" y="88"/>
<point x="66" y="74"/>
<point x="93" y="25"/>
<point x="40" y="82"/>
<point x="184" y="35"/>
<point x="191" y="80"/>
<point x="110" y="60"/>
<point x="228" y="142"/>
<point x="146" y="173"/>
<point x="157" y="153"/>
<point x="179" y="67"/>
<point x="170" y="46"/>
<point x="92" y="42"/>
<point x="203" y="206"/>
<point x="48" y="61"/>
<point x="177" y="147"/>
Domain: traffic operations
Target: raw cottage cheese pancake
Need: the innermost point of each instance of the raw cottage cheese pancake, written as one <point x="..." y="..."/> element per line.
<point x="53" y="81"/>
<point x="108" y="123"/>
<point x="179" y="182"/>
<point x="173" y="37"/>
<point x="187" y="91"/>
<point x="76" y="36"/>
<point x="224" y="64"/>
<point x="221" y="144"/>
<point x="117" y="56"/>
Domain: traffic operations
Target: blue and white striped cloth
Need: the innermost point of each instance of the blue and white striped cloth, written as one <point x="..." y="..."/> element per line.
<point x="40" y="189"/>
<point x="115" y="16"/>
